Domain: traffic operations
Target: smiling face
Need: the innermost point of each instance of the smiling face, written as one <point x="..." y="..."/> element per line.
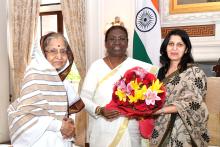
<point x="56" y="52"/>
<point x="116" y="42"/>
<point x="175" y="48"/>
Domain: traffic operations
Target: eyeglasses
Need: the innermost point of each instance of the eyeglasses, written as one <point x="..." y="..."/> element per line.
<point x="120" y="39"/>
<point x="54" y="52"/>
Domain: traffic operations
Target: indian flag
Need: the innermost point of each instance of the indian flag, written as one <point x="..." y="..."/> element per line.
<point x="147" y="34"/>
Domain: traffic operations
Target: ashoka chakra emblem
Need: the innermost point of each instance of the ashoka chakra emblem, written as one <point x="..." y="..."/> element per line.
<point x="146" y="19"/>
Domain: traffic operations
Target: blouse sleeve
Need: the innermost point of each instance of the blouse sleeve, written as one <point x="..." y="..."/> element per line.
<point x="88" y="90"/>
<point x="71" y="93"/>
<point x="54" y="125"/>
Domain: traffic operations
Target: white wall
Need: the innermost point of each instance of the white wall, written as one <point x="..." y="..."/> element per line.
<point x="101" y="12"/>
<point x="4" y="74"/>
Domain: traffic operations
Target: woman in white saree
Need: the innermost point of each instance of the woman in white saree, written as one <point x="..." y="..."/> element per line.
<point x="108" y="127"/>
<point x="37" y="118"/>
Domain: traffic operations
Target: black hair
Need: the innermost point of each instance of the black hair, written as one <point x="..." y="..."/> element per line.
<point x="186" y="59"/>
<point x="113" y="28"/>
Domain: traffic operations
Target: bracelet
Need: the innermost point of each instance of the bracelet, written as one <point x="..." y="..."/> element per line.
<point x="98" y="110"/>
<point x="162" y="111"/>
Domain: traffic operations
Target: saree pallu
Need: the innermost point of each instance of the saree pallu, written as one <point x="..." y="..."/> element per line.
<point x="43" y="98"/>
<point x="186" y="91"/>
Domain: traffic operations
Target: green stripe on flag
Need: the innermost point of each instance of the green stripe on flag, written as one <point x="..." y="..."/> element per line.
<point x="139" y="51"/>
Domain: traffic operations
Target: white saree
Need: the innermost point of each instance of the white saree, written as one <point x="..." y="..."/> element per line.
<point x="36" y="117"/>
<point x="97" y="91"/>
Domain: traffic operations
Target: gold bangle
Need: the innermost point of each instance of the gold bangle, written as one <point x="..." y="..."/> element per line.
<point x="98" y="110"/>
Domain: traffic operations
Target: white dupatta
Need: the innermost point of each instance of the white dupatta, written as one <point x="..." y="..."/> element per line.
<point x="42" y="99"/>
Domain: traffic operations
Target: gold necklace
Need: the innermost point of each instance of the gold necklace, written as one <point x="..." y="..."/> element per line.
<point x="110" y="62"/>
<point x="111" y="65"/>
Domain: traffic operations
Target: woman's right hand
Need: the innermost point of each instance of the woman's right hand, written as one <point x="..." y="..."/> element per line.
<point x="67" y="129"/>
<point x="109" y="114"/>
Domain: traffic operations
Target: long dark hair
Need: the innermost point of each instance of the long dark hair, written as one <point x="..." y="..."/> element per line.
<point x="186" y="59"/>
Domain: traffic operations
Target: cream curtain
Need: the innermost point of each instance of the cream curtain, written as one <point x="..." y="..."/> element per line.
<point x="74" y="20"/>
<point x="23" y="16"/>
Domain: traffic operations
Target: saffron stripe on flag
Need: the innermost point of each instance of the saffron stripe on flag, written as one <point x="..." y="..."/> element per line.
<point x="147" y="34"/>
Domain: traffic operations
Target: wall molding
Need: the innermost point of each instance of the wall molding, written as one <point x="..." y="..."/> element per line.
<point x="203" y="28"/>
<point x="183" y="19"/>
<point x="193" y="31"/>
<point x="205" y="49"/>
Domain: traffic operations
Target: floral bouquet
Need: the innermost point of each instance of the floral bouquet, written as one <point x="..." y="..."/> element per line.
<point x="138" y="94"/>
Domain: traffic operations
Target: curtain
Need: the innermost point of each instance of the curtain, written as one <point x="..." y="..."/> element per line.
<point x="23" y="16"/>
<point x="74" y="19"/>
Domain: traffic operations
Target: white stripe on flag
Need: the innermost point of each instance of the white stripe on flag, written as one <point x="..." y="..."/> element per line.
<point x="147" y="34"/>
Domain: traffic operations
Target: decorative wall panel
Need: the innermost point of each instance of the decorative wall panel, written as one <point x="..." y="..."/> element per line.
<point x="193" y="31"/>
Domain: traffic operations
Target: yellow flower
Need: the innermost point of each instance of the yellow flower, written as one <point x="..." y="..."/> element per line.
<point x="132" y="99"/>
<point x="134" y="85"/>
<point x="141" y="92"/>
<point x="121" y="95"/>
<point x="138" y="94"/>
<point x="156" y="86"/>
